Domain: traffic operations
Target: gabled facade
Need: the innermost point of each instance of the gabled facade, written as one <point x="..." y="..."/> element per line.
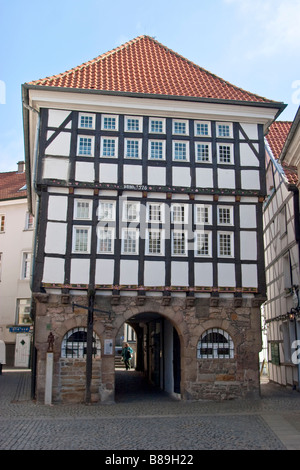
<point x="281" y="229"/>
<point x="16" y="237"/>
<point x="147" y="175"/>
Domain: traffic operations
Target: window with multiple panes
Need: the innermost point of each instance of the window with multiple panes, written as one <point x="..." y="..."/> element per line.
<point x="224" y="153"/>
<point x="130" y="241"/>
<point x="215" y="343"/>
<point x="131" y="211"/>
<point x="82" y="209"/>
<point x="107" y="210"/>
<point x="109" y="122"/>
<point x="86" y="121"/>
<point x="180" y="127"/>
<point x="180" y="151"/>
<point x="203" y="214"/>
<point x="26" y="264"/>
<point x="81" y="239"/>
<point x="105" y="240"/>
<point x="29" y="221"/>
<point x="157" y="126"/>
<point x="109" y="147"/>
<point x="2" y="223"/>
<point x="179" y="213"/>
<point x="133" y="124"/>
<point x="202" y="152"/>
<point x="225" y="215"/>
<point x="74" y="344"/>
<point x="203" y="244"/>
<point x="224" y="129"/>
<point x="154" y="242"/>
<point x="85" y="146"/>
<point x="225" y="244"/>
<point x="23" y="312"/>
<point x="202" y="128"/>
<point x="133" y="148"/>
<point x="157" y="150"/>
<point x="155" y="212"/>
<point x="179" y="242"/>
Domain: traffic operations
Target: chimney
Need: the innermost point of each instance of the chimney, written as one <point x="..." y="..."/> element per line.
<point x="21" y="167"/>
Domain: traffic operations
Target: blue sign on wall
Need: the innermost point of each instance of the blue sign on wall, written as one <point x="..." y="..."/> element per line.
<point x="19" y="329"/>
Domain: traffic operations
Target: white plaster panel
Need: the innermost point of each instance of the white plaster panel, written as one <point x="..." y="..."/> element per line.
<point x="226" y="178"/>
<point x="204" y="178"/>
<point x="179" y="273"/>
<point x="129" y="272"/>
<point x="133" y="174"/>
<point x="56" y="168"/>
<point x="57" y="208"/>
<point x="226" y="275"/>
<point x="56" y="117"/>
<point x="203" y="274"/>
<point x="181" y="176"/>
<point x="54" y="270"/>
<point x="80" y="271"/>
<point x="156" y="176"/>
<point x="154" y="273"/>
<point x="104" y="271"/>
<point x="247" y="156"/>
<point x="249" y="275"/>
<point x="108" y="173"/>
<point x="250" y="129"/>
<point x="250" y="179"/>
<point x="56" y="238"/>
<point x="248" y="245"/>
<point x="84" y="171"/>
<point x="247" y="216"/>
<point x="60" y="145"/>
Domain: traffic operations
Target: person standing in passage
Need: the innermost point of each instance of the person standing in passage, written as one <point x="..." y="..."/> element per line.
<point x="127" y="354"/>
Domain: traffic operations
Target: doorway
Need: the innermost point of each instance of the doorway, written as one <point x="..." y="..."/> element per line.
<point x="22" y="351"/>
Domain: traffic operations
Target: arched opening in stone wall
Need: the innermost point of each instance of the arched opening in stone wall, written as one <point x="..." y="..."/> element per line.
<point x="156" y="362"/>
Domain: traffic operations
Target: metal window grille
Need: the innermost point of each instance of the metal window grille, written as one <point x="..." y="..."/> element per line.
<point x="74" y="344"/>
<point x="215" y="343"/>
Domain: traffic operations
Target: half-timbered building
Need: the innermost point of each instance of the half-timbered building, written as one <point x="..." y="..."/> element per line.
<point x="147" y="174"/>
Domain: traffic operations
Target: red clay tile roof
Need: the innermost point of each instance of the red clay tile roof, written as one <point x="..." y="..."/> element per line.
<point x="11" y="184"/>
<point x="276" y="138"/>
<point x="143" y="65"/>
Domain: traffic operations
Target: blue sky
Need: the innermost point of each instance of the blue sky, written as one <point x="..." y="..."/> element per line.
<point x="253" y="44"/>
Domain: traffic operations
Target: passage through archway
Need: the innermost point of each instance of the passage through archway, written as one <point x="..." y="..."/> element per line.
<point x="156" y="363"/>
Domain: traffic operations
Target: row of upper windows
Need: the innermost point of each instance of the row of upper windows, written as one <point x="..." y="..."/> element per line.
<point x="201" y="242"/>
<point x="156" y="149"/>
<point x="154" y="212"/>
<point x="156" y="125"/>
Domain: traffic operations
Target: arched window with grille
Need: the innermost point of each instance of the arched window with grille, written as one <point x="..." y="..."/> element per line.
<point x="215" y="343"/>
<point x="74" y="344"/>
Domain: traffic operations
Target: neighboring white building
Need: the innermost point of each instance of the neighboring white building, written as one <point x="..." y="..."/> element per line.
<point x="281" y="237"/>
<point x="16" y="235"/>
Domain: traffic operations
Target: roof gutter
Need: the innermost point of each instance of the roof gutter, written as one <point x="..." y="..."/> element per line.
<point x="290" y="136"/>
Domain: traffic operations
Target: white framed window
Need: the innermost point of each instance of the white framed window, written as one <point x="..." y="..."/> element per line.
<point x="179" y="213"/>
<point x="181" y="150"/>
<point x="225" y="244"/>
<point x="157" y="126"/>
<point x="2" y="223"/>
<point x="81" y="239"/>
<point x="85" y="146"/>
<point x="203" y="214"/>
<point x="74" y="344"/>
<point x="107" y="211"/>
<point x="202" y="128"/>
<point x="131" y="211"/>
<point x="26" y="264"/>
<point x="155" y="212"/>
<point x="106" y="238"/>
<point x="225" y="153"/>
<point x="203" y="152"/>
<point x="203" y="243"/>
<point x="215" y="344"/>
<point x="154" y="242"/>
<point x="225" y="215"/>
<point x="86" y="121"/>
<point x="180" y="127"/>
<point x="109" y="122"/>
<point x="133" y="124"/>
<point x="109" y="147"/>
<point x="179" y="242"/>
<point x="130" y="241"/>
<point x="29" y="221"/>
<point x="133" y="148"/>
<point x="224" y="129"/>
<point x="23" y="312"/>
<point x="82" y="209"/>
<point x="156" y="150"/>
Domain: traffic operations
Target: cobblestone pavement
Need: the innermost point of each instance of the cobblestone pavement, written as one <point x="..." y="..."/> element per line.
<point x="147" y="420"/>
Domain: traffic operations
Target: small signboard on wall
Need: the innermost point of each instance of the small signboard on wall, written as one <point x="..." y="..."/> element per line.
<point x="108" y="346"/>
